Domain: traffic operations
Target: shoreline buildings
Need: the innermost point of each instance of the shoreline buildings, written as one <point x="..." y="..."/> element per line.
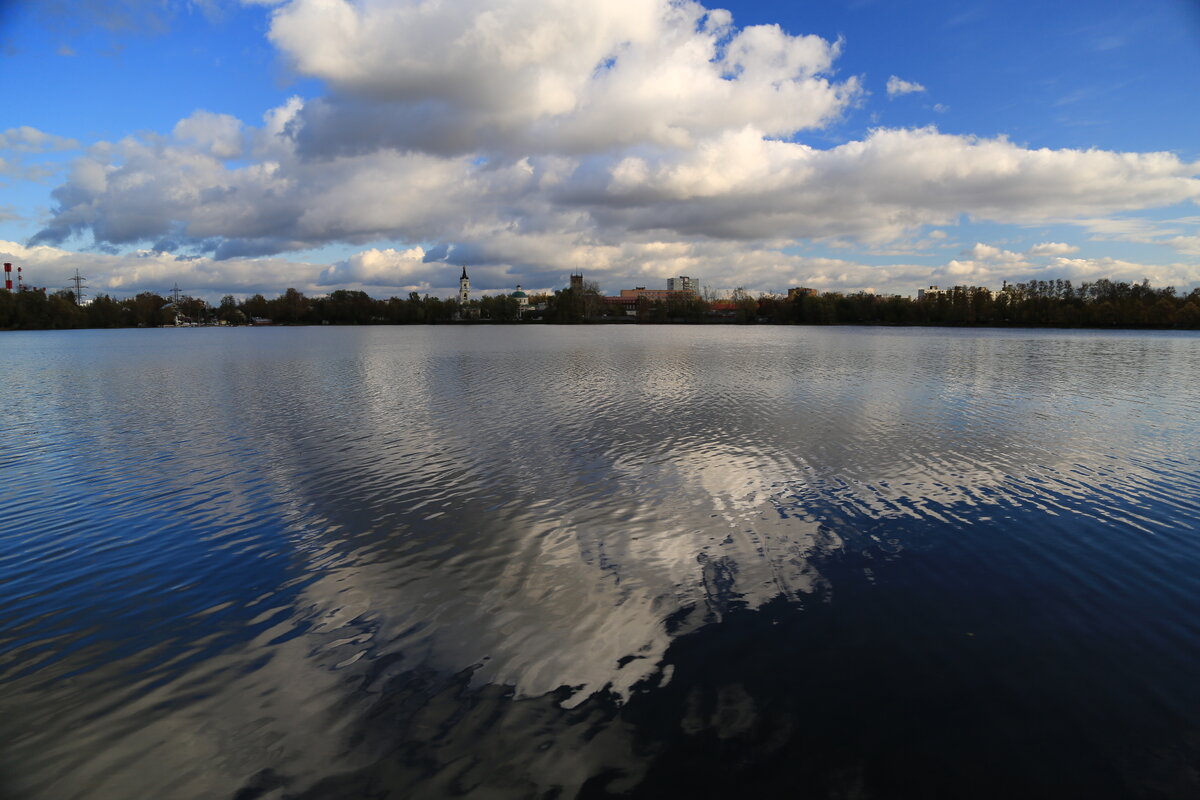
<point x="682" y="289"/>
<point x="933" y="292"/>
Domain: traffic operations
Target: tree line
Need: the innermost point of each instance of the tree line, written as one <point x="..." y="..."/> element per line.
<point x="1057" y="303"/>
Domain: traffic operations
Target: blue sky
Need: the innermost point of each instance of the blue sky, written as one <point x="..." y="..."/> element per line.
<point x="845" y="145"/>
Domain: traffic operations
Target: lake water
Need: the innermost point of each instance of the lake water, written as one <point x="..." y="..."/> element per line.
<point x="510" y="562"/>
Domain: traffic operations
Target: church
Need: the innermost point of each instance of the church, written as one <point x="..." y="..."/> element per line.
<point x="465" y="311"/>
<point x="468" y="311"/>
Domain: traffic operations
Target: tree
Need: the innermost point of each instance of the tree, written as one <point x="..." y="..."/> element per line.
<point x="8" y="309"/>
<point x="1188" y="315"/>
<point x="229" y="313"/>
<point x="255" y="306"/>
<point x="193" y="308"/>
<point x="290" y="307"/>
<point x="148" y="309"/>
<point x="104" y="312"/>
<point x="346" y="307"/>
<point x="645" y="309"/>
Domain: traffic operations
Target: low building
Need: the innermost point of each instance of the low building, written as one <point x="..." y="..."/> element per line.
<point x="681" y="289"/>
<point x="657" y="294"/>
<point x="626" y="304"/>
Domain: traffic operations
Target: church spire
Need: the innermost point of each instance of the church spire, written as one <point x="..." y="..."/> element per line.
<point x="464" y="275"/>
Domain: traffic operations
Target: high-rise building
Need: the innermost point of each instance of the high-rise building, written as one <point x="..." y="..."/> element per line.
<point x="683" y="284"/>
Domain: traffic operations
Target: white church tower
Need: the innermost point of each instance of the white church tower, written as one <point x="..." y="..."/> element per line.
<point x="464" y="288"/>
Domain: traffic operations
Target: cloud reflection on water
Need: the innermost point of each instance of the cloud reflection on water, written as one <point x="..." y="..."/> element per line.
<point x="532" y="521"/>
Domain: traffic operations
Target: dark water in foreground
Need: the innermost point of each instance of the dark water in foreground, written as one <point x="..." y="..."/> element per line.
<point x="559" y="562"/>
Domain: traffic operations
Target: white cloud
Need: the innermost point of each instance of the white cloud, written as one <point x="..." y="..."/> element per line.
<point x="217" y="134"/>
<point x="20" y="142"/>
<point x="743" y="186"/>
<point x="982" y="262"/>
<point x="1053" y="249"/>
<point x="1091" y="269"/>
<point x="897" y="87"/>
<point x="25" y="139"/>
<point x="543" y="262"/>
<point x="388" y="267"/>
<point x="739" y="186"/>
<point x="575" y="76"/>
<point x="1186" y="244"/>
<point x="993" y="255"/>
<point x="126" y="274"/>
<point x="1175" y="233"/>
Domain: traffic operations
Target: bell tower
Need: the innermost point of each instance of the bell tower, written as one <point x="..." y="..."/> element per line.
<point x="464" y="287"/>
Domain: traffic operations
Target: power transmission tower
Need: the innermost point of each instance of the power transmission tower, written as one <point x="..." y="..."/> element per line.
<point x="78" y="280"/>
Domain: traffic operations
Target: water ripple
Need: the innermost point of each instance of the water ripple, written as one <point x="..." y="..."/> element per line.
<point x="518" y="561"/>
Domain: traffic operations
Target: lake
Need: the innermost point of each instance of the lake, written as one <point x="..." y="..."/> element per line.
<point x="510" y="562"/>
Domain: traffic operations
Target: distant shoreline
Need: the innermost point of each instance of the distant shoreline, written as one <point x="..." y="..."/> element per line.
<point x="629" y="324"/>
<point x="1099" y="305"/>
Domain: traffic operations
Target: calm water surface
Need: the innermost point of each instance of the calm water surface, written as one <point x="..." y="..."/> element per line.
<point x="560" y="562"/>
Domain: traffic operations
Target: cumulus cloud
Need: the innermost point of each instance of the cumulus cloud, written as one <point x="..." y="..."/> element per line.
<point x="376" y="267"/>
<point x="983" y="264"/>
<point x="543" y="263"/>
<point x="980" y="263"/>
<point x="1053" y="249"/>
<point x="1091" y="269"/>
<point x="532" y="260"/>
<point x="125" y="274"/>
<point x="217" y="134"/>
<point x="990" y="266"/>
<point x="742" y="185"/>
<point x="993" y="254"/>
<point x="897" y="87"/>
<point x="738" y="185"/>
<point x="576" y="76"/>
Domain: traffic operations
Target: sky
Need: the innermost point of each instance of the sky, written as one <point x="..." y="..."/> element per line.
<point x="241" y="147"/>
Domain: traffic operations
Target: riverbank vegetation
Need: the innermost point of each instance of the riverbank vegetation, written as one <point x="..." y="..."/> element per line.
<point x="1058" y="303"/>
